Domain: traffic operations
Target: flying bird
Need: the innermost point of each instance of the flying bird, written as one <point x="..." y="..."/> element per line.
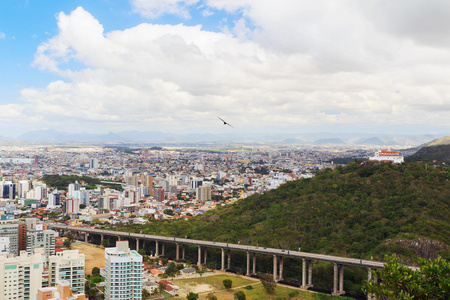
<point x="225" y="123"/>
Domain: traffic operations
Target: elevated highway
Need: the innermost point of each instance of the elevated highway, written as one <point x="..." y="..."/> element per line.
<point x="278" y="254"/>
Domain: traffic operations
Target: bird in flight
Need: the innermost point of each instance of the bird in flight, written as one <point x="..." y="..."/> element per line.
<point x="225" y="123"/>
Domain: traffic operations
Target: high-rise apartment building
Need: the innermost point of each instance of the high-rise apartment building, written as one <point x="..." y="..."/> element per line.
<point x="67" y="265"/>
<point x="93" y="164"/>
<point x="73" y="187"/>
<point x="147" y="180"/>
<point x="158" y="193"/>
<point x="132" y="180"/>
<point x="22" y="237"/>
<point x="123" y="273"/>
<point x="9" y="227"/>
<point x="54" y="200"/>
<point x="73" y="206"/>
<point x="203" y="193"/>
<point x="21" y="276"/>
<point x="40" y="238"/>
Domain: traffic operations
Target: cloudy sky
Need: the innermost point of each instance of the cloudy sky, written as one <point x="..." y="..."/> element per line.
<point x="265" y="66"/>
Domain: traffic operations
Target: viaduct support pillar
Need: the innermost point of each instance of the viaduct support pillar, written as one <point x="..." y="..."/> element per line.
<point x="341" y="280"/>
<point x="229" y="259"/>
<point x="281" y="268"/>
<point x="205" y="254"/>
<point x="183" y="251"/>
<point x="248" y="263"/>
<point x="86" y="236"/>
<point x="223" y="260"/>
<point x="304" y="262"/>
<point x="177" y="252"/>
<point x="254" y="263"/>
<point x="101" y="239"/>
<point x="199" y="260"/>
<point x="137" y="244"/>
<point x="338" y="279"/>
<point x="163" y="248"/>
<point x="275" y="268"/>
<point x="335" y="279"/>
<point x="156" y="249"/>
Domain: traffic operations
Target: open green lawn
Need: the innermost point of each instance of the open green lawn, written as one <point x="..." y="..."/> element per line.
<point x="205" y="285"/>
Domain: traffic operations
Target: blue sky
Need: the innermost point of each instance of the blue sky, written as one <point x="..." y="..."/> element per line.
<point x="265" y="66"/>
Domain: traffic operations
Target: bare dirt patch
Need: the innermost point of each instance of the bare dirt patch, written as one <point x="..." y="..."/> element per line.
<point x="94" y="256"/>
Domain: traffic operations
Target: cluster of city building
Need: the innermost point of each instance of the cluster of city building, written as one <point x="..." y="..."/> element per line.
<point x="162" y="183"/>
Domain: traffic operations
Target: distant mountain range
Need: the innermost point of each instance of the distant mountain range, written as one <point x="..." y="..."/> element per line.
<point x="159" y="137"/>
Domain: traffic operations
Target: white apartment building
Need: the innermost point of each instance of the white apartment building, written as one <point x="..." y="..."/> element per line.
<point x="73" y="206"/>
<point x="21" y="276"/>
<point x="4" y="245"/>
<point x="123" y="273"/>
<point x="10" y="228"/>
<point x="39" y="238"/>
<point x="68" y="265"/>
<point x="203" y="193"/>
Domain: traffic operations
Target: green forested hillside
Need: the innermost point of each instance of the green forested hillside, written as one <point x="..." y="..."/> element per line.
<point x="440" y="153"/>
<point x="351" y="211"/>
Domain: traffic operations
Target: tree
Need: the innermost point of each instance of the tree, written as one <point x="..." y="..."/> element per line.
<point x="227" y="283"/>
<point x="82" y="206"/>
<point x="432" y="281"/>
<point x="160" y="288"/>
<point x="95" y="271"/>
<point x="211" y="296"/>
<point x="145" y="293"/>
<point x="239" y="295"/>
<point x="141" y="252"/>
<point x="67" y="243"/>
<point x="192" y="296"/>
<point x="268" y="282"/>
<point x="105" y="243"/>
<point x="168" y="212"/>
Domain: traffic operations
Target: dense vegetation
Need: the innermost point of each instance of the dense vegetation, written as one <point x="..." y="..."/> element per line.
<point x="351" y="211"/>
<point x="61" y="182"/>
<point x="431" y="281"/>
<point x="440" y="153"/>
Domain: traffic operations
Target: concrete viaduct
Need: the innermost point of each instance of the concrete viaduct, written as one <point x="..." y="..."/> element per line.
<point x="278" y="254"/>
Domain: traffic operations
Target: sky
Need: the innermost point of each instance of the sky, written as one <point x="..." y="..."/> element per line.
<point x="265" y="66"/>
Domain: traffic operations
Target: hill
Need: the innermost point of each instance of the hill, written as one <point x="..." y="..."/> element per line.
<point x="442" y="141"/>
<point x="438" y="150"/>
<point x="350" y="211"/>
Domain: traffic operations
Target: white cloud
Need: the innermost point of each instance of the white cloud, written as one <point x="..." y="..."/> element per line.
<point x="207" y="13"/>
<point x="323" y="56"/>
<point x="2" y="35"/>
<point x="155" y="8"/>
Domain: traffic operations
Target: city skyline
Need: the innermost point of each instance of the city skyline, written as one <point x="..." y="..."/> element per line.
<point x="265" y="67"/>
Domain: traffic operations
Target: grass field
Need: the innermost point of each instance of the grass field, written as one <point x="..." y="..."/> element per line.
<point x="214" y="284"/>
<point x="94" y="255"/>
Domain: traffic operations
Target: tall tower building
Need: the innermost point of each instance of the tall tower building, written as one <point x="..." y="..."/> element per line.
<point x="40" y="238"/>
<point x="123" y="273"/>
<point x="21" y="276"/>
<point x="132" y="180"/>
<point x="203" y="193"/>
<point x="9" y="227"/>
<point x="147" y="180"/>
<point x="67" y="265"/>
<point x="93" y="164"/>
<point x="72" y="206"/>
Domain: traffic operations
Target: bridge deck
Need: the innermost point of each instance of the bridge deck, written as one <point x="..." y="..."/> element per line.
<point x="237" y="247"/>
